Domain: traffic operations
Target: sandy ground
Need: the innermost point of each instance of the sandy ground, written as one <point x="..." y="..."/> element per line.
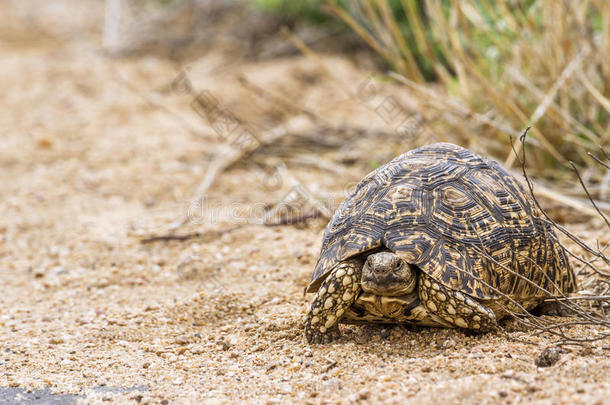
<point x="97" y="153"/>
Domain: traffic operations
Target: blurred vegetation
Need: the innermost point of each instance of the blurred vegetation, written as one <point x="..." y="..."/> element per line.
<point x="306" y="10"/>
<point x="501" y="65"/>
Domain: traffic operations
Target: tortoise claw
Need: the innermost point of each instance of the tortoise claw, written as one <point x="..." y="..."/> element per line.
<point x="314" y="336"/>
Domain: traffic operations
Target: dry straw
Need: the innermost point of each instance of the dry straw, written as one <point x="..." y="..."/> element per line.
<point x="506" y="65"/>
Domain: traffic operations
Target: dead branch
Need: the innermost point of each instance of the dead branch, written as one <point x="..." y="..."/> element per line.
<point x="169" y="237"/>
<point x="562" y="229"/>
<point x="584" y="187"/>
<point x="291" y="220"/>
<point x="280" y="101"/>
<point x="188" y="236"/>
<point x="583" y="317"/>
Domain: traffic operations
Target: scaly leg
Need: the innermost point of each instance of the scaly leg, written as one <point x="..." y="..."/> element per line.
<point x="454" y="307"/>
<point x="337" y="293"/>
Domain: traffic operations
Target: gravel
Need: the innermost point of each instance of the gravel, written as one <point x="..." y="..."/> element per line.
<point x="89" y="166"/>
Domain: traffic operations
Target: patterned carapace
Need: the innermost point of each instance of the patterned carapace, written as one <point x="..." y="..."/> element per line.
<point x="461" y="218"/>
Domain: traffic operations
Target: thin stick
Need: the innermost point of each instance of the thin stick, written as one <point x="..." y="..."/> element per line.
<point x="291" y="220"/>
<point x="188" y="236"/>
<point x="588" y="194"/>
<point x="169" y="237"/>
<point x="599" y="161"/>
<point x="278" y="100"/>
<point x="563" y="230"/>
<point x="582" y="298"/>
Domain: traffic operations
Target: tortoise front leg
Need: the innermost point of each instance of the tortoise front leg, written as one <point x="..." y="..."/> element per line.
<point x="453" y="307"/>
<point x="337" y="293"/>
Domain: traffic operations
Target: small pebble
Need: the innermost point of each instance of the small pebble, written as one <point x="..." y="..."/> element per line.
<point x="224" y="345"/>
<point x="250" y="326"/>
<point x="364" y="394"/>
<point x="548" y="357"/>
<point x="182" y="340"/>
<point x="449" y="343"/>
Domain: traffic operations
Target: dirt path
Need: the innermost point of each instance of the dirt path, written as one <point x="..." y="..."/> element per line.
<point x="96" y="152"/>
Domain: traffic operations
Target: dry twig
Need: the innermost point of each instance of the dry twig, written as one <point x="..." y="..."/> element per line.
<point x="583" y="317"/>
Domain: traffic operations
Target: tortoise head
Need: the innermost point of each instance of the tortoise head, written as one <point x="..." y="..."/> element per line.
<point x="386" y="274"/>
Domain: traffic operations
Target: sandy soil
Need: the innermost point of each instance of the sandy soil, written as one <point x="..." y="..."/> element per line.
<point x="97" y="153"/>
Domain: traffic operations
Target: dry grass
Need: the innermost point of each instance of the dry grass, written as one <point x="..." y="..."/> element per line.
<point x="503" y="66"/>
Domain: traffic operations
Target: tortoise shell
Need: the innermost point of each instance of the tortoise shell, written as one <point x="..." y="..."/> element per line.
<point x="459" y="217"/>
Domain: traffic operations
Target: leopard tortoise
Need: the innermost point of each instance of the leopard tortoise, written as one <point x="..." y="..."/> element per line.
<point x="439" y="236"/>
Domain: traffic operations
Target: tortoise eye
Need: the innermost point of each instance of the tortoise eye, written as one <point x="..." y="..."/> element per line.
<point x="400" y="265"/>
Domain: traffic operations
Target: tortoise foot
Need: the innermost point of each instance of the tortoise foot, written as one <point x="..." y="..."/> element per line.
<point x="337" y="293"/>
<point x="553" y="308"/>
<point x="455" y="308"/>
<point x="315" y="336"/>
